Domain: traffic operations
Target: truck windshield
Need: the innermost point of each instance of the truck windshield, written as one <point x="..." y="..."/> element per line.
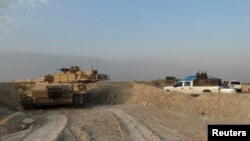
<point x="178" y="84"/>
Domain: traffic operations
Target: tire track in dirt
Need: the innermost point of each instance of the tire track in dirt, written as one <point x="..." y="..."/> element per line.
<point x="50" y="131"/>
<point x="2" y="122"/>
<point x="68" y="135"/>
<point x="132" y="123"/>
<point x="16" y="136"/>
<point x="74" y="134"/>
<point x="93" y="124"/>
<point x="135" y="129"/>
<point x="120" y="128"/>
<point x="169" y="125"/>
<point x="71" y="133"/>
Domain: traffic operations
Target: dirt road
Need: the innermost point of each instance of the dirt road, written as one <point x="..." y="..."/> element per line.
<point x="120" y="122"/>
<point x="107" y="123"/>
<point x="133" y="123"/>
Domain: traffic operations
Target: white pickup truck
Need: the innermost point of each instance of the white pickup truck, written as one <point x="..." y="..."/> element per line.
<point x="187" y="87"/>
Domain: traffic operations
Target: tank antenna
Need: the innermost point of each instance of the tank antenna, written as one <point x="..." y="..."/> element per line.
<point x="80" y="57"/>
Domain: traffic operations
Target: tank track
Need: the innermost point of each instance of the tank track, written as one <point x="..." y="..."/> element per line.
<point x="27" y="102"/>
<point x="79" y="100"/>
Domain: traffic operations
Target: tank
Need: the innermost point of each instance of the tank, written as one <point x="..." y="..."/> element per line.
<point x="65" y="88"/>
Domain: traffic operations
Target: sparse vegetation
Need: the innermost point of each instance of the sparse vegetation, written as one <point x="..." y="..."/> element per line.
<point x="170" y="78"/>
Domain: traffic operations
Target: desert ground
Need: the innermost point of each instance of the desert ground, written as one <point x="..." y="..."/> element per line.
<point x="124" y="111"/>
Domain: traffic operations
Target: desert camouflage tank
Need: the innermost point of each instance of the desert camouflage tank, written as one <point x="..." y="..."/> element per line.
<point x="65" y="88"/>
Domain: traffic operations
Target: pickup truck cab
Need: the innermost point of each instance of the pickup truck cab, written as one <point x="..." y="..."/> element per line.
<point x="189" y="88"/>
<point x="235" y="84"/>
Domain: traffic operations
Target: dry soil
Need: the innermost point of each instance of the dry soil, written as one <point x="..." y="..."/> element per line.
<point x="126" y="111"/>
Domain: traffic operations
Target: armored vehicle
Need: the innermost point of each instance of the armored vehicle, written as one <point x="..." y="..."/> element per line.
<point x="65" y="88"/>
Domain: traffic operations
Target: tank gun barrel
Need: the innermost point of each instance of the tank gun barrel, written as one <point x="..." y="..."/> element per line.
<point x="64" y="70"/>
<point x="72" y="69"/>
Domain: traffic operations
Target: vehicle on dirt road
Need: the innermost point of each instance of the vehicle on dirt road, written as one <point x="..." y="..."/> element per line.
<point x="65" y="88"/>
<point x="189" y="88"/>
<point x="199" y="85"/>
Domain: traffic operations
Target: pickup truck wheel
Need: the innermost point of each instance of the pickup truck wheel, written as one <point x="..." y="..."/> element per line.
<point x="239" y="91"/>
<point x="206" y="91"/>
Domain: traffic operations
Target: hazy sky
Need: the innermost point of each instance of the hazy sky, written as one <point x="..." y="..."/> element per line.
<point x="130" y="39"/>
